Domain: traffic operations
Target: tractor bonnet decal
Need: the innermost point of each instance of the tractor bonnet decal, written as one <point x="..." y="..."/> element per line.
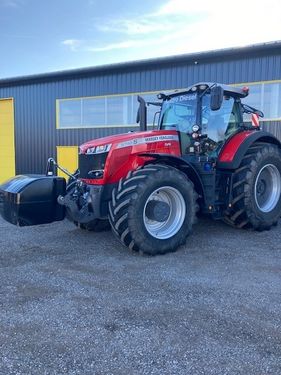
<point x="139" y="141"/>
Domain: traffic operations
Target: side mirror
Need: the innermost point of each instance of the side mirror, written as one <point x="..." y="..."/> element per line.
<point x="216" y="98"/>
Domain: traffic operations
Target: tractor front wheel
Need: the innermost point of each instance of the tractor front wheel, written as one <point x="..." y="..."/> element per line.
<point x="153" y="209"/>
<point x="257" y="189"/>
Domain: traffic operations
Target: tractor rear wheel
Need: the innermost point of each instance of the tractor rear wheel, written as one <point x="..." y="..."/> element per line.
<point x="257" y="189"/>
<point x="153" y="209"/>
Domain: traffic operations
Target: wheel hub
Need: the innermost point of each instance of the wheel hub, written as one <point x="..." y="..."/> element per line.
<point x="157" y="211"/>
<point x="261" y="187"/>
<point x="268" y="188"/>
<point x="164" y="212"/>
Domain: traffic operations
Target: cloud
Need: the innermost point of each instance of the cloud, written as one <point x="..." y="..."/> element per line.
<point x="163" y="20"/>
<point x="193" y="26"/>
<point x="185" y="26"/>
<point x="110" y="47"/>
<point x="186" y="7"/>
<point x="165" y="39"/>
<point x="73" y="44"/>
<point x="138" y="26"/>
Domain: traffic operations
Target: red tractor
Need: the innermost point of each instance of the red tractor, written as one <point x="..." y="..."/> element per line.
<point x="150" y="185"/>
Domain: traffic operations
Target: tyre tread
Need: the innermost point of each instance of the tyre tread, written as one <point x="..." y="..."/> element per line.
<point x="241" y="214"/>
<point x="127" y="193"/>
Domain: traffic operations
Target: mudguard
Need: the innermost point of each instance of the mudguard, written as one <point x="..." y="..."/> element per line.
<point x="236" y="147"/>
<point x="32" y="199"/>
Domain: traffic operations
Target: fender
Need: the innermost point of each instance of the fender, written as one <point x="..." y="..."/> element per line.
<point x="181" y="164"/>
<point x="236" y="147"/>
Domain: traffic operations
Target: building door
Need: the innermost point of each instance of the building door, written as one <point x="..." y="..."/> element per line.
<point x="67" y="157"/>
<point x="7" y="139"/>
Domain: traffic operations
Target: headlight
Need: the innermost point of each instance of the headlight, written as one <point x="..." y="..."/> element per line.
<point x="98" y="149"/>
<point x="103" y="148"/>
<point x="90" y="150"/>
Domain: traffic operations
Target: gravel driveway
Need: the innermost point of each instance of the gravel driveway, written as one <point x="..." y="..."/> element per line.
<point x="74" y="302"/>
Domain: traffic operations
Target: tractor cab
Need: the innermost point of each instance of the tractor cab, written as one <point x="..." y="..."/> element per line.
<point x="205" y="115"/>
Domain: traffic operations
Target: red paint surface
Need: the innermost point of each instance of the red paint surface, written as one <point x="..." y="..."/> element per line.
<point x="231" y="147"/>
<point x="122" y="160"/>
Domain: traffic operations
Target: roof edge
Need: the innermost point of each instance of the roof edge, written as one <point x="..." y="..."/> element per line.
<point x="194" y="56"/>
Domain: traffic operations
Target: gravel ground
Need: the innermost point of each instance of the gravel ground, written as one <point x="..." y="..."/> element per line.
<point x="74" y="302"/>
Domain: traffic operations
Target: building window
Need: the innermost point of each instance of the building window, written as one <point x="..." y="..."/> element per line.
<point x="103" y="111"/>
<point x="93" y="112"/>
<point x="70" y="113"/>
<point x="272" y="100"/>
<point x="265" y="96"/>
<point x="121" y="110"/>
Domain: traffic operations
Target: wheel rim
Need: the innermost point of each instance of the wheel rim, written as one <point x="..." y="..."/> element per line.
<point x="164" y="212"/>
<point x="268" y="188"/>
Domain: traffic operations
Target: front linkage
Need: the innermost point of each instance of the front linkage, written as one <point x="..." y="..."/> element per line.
<point x="82" y="202"/>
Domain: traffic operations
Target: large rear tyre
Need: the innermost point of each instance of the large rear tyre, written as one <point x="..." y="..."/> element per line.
<point x="257" y="189"/>
<point x="153" y="209"/>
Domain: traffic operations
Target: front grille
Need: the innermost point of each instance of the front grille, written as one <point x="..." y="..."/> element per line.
<point x="91" y="162"/>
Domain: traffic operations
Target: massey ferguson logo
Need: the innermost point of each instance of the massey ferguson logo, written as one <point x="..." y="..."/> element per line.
<point x="140" y="141"/>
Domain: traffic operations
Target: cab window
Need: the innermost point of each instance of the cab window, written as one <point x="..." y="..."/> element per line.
<point x="221" y="124"/>
<point x="179" y="113"/>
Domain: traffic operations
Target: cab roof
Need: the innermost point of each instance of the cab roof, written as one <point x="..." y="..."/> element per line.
<point x="231" y="90"/>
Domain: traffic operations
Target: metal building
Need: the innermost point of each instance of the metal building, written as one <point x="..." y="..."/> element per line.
<point x="51" y="114"/>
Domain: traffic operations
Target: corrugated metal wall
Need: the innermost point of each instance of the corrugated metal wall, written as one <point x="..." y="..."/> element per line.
<point x="273" y="127"/>
<point x="35" y="102"/>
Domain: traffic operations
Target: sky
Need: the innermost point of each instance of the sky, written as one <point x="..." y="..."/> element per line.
<point x="38" y="36"/>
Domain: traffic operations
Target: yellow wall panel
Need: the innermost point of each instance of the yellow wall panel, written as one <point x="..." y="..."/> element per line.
<point x="67" y="157"/>
<point x="7" y="139"/>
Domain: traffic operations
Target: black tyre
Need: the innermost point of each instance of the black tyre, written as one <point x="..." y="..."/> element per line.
<point x="153" y="209"/>
<point x="257" y="189"/>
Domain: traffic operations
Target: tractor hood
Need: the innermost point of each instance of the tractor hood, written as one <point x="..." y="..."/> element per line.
<point x="114" y="156"/>
<point x="130" y="139"/>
